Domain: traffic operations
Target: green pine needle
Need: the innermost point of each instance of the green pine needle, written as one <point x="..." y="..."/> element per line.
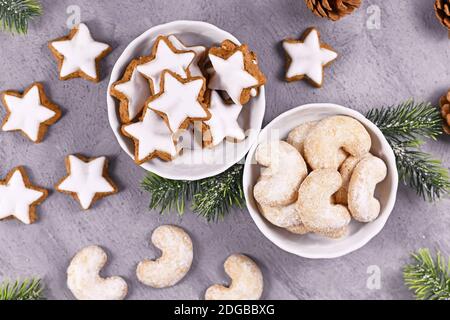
<point x="211" y="198"/>
<point x="28" y="289"/>
<point x="408" y="120"/>
<point x="15" y="14"/>
<point x="428" y="278"/>
<point x="403" y="127"/>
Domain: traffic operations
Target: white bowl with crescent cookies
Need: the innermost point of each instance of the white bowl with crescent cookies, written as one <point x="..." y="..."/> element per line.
<point x="186" y="100"/>
<point x="321" y="181"/>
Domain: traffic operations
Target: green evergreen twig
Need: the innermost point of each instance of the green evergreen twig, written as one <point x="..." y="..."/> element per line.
<point x="427" y="277"/>
<point x="15" y="14"/>
<point x="211" y="198"/>
<point x="28" y="289"/>
<point x="403" y="127"/>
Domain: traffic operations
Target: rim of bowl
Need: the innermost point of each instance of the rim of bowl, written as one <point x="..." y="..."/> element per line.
<point x="388" y="206"/>
<point x="113" y="118"/>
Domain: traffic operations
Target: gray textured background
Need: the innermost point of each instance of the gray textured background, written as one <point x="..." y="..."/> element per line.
<point x="408" y="57"/>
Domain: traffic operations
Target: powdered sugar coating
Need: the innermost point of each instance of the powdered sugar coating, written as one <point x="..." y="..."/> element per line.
<point x="247" y="281"/>
<point x="175" y="261"/>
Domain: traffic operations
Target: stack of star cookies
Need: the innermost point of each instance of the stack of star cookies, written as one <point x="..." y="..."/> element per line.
<point x="176" y="89"/>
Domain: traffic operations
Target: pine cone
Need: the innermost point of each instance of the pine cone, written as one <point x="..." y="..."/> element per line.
<point x="442" y="8"/>
<point x="333" y="9"/>
<point x="445" y="110"/>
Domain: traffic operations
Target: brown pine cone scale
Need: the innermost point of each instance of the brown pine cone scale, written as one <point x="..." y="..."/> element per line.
<point x="332" y="9"/>
<point x="445" y="111"/>
<point x="442" y="8"/>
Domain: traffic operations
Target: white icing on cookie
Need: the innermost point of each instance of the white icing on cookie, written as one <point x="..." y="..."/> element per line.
<point x="223" y="123"/>
<point x="230" y="76"/>
<point x="152" y="135"/>
<point x="165" y="59"/>
<point x="16" y="198"/>
<point x="80" y="52"/>
<point x="179" y="101"/>
<point x="27" y="113"/>
<point x="137" y="92"/>
<point x="194" y="68"/>
<point x="86" y="180"/>
<point x="308" y="57"/>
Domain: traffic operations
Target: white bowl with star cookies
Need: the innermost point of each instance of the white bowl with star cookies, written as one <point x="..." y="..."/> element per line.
<point x="198" y="159"/>
<point x="299" y="240"/>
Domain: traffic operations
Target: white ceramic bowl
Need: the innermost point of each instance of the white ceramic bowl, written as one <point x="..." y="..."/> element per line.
<point x="311" y="245"/>
<point x="199" y="163"/>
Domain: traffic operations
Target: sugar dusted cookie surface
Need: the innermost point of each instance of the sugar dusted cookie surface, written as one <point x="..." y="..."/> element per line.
<point x="180" y="101"/>
<point x="236" y="71"/>
<point x="247" y="281"/>
<point x="30" y="113"/>
<point x="78" y="54"/>
<point x="87" y="180"/>
<point x="132" y="91"/>
<point x="284" y="170"/>
<point x="175" y="261"/>
<point x="85" y="282"/>
<point x="362" y="204"/>
<point x="307" y="57"/>
<point x="19" y="198"/>
<point x="165" y="56"/>
<point x="152" y="138"/>
<point x="282" y="216"/>
<point x="224" y="121"/>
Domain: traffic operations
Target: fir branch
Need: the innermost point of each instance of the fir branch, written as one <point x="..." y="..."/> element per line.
<point x="404" y="126"/>
<point x="419" y="171"/>
<point x="211" y="198"/>
<point x="218" y="194"/>
<point x="408" y="120"/>
<point x="428" y="278"/>
<point x="15" y="14"/>
<point x="168" y="194"/>
<point x="28" y="289"/>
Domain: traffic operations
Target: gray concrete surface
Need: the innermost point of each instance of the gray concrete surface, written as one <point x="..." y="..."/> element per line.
<point x="407" y="57"/>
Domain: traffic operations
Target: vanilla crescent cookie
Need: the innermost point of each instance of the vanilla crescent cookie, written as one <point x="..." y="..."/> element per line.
<point x="297" y="137"/>
<point x="281" y="216"/>
<point x="223" y="123"/>
<point x="87" y="180"/>
<point x="316" y="206"/>
<point x="247" y="281"/>
<point x="180" y="101"/>
<point x="324" y="142"/>
<point x="19" y="198"/>
<point x="132" y="91"/>
<point x="346" y="171"/>
<point x="284" y="170"/>
<point x="30" y="113"/>
<point x="200" y="51"/>
<point x="362" y="204"/>
<point x="175" y="261"/>
<point x="78" y="54"/>
<point x="236" y="71"/>
<point x="165" y="56"/>
<point x="307" y="57"/>
<point x="85" y="282"/>
<point x="152" y="138"/>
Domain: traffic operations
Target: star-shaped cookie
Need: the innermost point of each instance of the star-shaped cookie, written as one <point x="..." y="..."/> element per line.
<point x="78" y="54"/>
<point x="164" y="57"/>
<point x="132" y="91"/>
<point x="199" y="51"/>
<point x="223" y="123"/>
<point x="236" y="71"/>
<point x="87" y="180"/>
<point x="30" y="112"/>
<point x="307" y="57"/>
<point x="19" y="198"/>
<point x="152" y="138"/>
<point x="180" y="100"/>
